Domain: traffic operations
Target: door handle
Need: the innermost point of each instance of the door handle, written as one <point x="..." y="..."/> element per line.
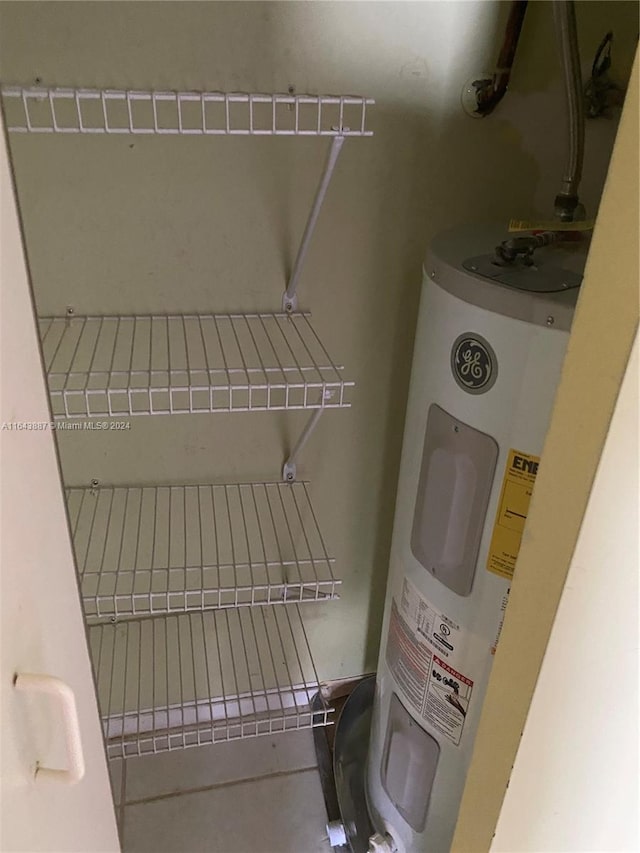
<point x="30" y="683"/>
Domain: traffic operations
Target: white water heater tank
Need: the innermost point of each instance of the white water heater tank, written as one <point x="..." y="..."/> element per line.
<point x="490" y="343"/>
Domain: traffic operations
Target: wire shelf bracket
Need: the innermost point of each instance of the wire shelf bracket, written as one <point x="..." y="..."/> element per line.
<point x="148" y="550"/>
<point x="290" y="296"/>
<point x="174" y="364"/>
<point x="289" y="469"/>
<point x="175" y="682"/>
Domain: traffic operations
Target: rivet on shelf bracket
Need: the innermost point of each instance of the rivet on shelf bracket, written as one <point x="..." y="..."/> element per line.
<point x="289" y="472"/>
<point x="289" y="303"/>
<point x="289" y="468"/>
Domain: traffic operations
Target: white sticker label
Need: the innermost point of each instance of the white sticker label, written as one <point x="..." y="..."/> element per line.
<point x="437" y="629"/>
<point x="503" y="607"/>
<point x="408" y="658"/>
<point x="420" y="644"/>
<point x="447" y="702"/>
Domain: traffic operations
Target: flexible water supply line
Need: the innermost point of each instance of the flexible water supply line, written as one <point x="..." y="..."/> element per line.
<point x="567" y="199"/>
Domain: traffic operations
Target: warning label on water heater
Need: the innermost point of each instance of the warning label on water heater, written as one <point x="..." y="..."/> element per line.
<point x="513" y="508"/>
<point x="447" y="702"/>
<point x="420" y="642"/>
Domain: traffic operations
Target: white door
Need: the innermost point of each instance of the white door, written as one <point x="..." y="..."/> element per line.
<point x="574" y="784"/>
<point x="42" y="627"/>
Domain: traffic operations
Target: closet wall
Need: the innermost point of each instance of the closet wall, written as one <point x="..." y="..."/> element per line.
<point x="141" y="225"/>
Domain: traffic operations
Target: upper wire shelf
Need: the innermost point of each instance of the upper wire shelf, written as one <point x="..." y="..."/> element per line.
<point x="113" y="366"/>
<point x="123" y="111"/>
<point x="173" y="682"/>
<point x="145" y="550"/>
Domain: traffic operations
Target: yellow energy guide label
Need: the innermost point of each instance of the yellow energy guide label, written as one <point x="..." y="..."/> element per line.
<point x="517" y="487"/>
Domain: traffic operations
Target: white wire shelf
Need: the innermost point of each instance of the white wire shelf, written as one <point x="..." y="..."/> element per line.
<point x="118" y="111"/>
<point x="179" y="681"/>
<point x="173" y="364"/>
<point x="161" y="549"/>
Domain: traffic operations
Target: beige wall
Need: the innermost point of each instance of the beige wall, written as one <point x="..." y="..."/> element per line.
<point x="130" y="225"/>
<point x="603" y="331"/>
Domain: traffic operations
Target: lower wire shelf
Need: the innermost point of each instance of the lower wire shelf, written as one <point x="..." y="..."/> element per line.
<point x="147" y="550"/>
<point x="174" y="682"/>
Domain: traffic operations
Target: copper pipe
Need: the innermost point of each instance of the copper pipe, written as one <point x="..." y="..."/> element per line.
<point x="489" y="93"/>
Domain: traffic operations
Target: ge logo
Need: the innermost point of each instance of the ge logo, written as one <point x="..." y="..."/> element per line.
<point x="445" y="629"/>
<point x="473" y="363"/>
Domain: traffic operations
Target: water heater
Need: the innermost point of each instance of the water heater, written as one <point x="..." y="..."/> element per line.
<point x="491" y="336"/>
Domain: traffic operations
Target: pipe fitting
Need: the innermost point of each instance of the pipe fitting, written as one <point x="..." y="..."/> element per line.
<point x="381" y="844"/>
<point x="510" y="250"/>
<point x="564" y="206"/>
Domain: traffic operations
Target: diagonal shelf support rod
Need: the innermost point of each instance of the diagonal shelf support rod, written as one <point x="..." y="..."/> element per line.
<point x="289" y="467"/>
<point x="290" y="299"/>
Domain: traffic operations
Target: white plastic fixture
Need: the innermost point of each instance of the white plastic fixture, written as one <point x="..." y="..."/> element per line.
<point x="336" y="833"/>
<point x="65" y="698"/>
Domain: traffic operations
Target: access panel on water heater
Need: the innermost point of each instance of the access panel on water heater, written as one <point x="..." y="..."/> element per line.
<point x="456" y="475"/>
<point x="409" y="764"/>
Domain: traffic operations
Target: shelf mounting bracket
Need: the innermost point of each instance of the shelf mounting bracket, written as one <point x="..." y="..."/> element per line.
<point x="290" y="296"/>
<point x="289" y="469"/>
